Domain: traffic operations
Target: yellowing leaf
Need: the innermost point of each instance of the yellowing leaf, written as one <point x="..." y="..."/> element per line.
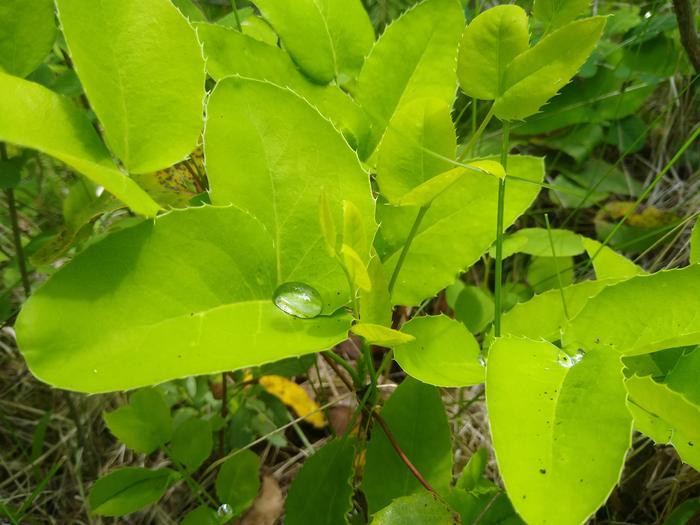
<point x="294" y="397"/>
<point x="356" y="268"/>
<point x="381" y="335"/>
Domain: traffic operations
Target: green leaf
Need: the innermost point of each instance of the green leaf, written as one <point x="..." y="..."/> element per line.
<point x="11" y="172"/>
<point x="27" y="33"/>
<point x="489" y="43"/>
<point x="560" y="433"/>
<point x="328" y="39"/>
<point x="271" y="154"/>
<point x="607" y="263"/>
<point x="683" y="376"/>
<point x="64" y="132"/>
<point x="545" y="273"/>
<point x="144" y="424"/>
<point x="695" y="243"/>
<point x="536" y="241"/>
<point x="375" y="304"/>
<point x="428" y="191"/>
<point x="536" y="75"/>
<point x="202" y="515"/>
<point x="556" y="13"/>
<point x="490" y="508"/>
<point x="418" y="509"/>
<point x="641" y="315"/>
<point x="413" y="59"/>
<point x="443" y="353"/>
<point x="543" y="315"/>
<point x="474" y="308"/>
<point x="230" y="52"/>
<point x="666" y="416"/>
<point x="457" y="229"/>
<point x="357" y="272"/>
<point x="354" y="234"/>
<point x="684" y="513"/>
<point x="167" y="298"/>
<point x="376" y="334"/>
<point x="129" y="489"/>
<point x="192" y="443"/>
<point x="238" y="481"/>
<point x="415" y="415"/>
<point x="322" y="487"/>
<point x="416" y="147"/>
<point x="143" y="72"/>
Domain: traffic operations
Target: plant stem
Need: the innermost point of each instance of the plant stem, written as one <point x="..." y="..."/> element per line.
<point x="475" y="136"/>
<point x="556" y="266"/>
<point x="224" y="411"/>
<point x="16" y="232"/>
<point x="407" y="245"/>
<point x="332" y="358"/>
<point x="499" y="232"/>
<point x="235" y="15"/>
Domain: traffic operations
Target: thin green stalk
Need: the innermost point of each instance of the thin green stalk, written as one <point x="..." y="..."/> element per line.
<point x="16" y="232"/>
<point x="556" y="266"/>
<point x="476" y="135"/>
<point x="407" y="245"/>
<point x="235" y="15"/>
<point x="342" y="362"/>
<point x="499" y="232"/>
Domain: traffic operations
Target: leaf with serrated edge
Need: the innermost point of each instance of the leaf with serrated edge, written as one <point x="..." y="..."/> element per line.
<point x="189" y="293"/>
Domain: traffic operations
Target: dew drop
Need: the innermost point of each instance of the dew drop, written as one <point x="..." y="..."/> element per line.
<point x="298" y="299"/>
<point x="482" y="360"/>
<point x="224" y="512"/>
<point x="565" y="359"/>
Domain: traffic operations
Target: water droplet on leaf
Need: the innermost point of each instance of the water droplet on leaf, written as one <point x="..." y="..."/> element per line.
<point x="298" y="299"/>
<point x="224" y="512"/>
<point x="482" y="360"/>
<point x="565" y="359"/>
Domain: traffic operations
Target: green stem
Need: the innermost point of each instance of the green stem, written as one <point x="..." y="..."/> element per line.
<point x="475" y="136"/>
<point x="235" y="15"/>
<point x="407" y="245"/>
<point x="332" y="356"/>
<point x="499" y="232"/>
<point x="556" y="267"/>
<point x="16" y="231"/>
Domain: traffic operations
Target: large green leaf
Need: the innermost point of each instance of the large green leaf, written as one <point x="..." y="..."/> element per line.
<point x="560" y="433"/>
<point x="322" y="487"/>
<point x="457" y="229"/>
<point x="489" y="43"/>
<point x="417" y="146"/>
<point x="189" y="293"/>
<point x="443" y="353"/>
<point x="535" y="76"/>
<point x="556" y="13"/>
<point x="27" y="33"/>
<point x="666" y="416"/>
<point x="143" y="72"/>
<point x="540" y="242"/>
<point x="144" y="424"/>
<point x="272" y="154"/>
<point x="129" y="489"/>
<point x="192" y="443"/>
<point x="641" y="315"/>
<point x="415" y="415"/>
<point x="329" y="39"/>
<point x="35" y="117"/>
<point x="414" y="58"/>
<point x="230" y="52"/>
<point x="418" y="509"/>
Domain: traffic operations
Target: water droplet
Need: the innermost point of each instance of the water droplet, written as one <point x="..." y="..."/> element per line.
<point x="578" y="356"/>
<point x="298" y="299"/>
<point x="565" y="359"/>
<point x="224" y="512"/>
<point x="482" y="360"/>
<point x="94" y="371"/>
